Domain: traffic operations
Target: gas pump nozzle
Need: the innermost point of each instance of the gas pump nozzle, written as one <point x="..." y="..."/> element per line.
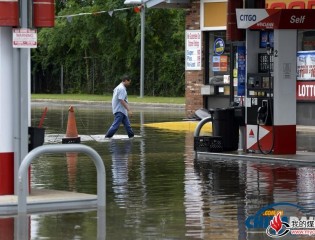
<point x="262" y="113"/>
<point x="269" y="49"/>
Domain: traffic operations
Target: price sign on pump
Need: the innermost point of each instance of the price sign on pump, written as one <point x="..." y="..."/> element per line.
<point x="24" y="38"/>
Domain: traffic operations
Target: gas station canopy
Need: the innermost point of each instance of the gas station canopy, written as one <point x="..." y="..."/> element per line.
<point x="275" y="18"/>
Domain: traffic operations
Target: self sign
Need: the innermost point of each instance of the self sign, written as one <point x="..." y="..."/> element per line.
<point x="295" y="19"/>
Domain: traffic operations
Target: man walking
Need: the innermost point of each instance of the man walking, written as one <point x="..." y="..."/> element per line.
<point x="121" y="109"/>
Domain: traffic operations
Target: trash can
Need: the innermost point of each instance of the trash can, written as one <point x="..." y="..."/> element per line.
<point x="225" y="125"/>
<point x="36" y="137"/>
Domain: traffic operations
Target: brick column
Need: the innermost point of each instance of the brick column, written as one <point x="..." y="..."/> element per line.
<point x="194" y="79"/>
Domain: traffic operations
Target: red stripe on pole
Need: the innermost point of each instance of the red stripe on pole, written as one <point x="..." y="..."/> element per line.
<point x="9" y="13"/>
<point x="285" y="139"/>
<point x="6" y="173"/>
<point x="44" y="13"/>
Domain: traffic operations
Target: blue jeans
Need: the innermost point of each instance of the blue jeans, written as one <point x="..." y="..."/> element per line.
<point x="120" y="118"/>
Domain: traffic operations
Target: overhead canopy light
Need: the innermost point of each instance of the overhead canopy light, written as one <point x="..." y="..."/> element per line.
<point x="167" y="3"/>
<point x="132" y="2"/>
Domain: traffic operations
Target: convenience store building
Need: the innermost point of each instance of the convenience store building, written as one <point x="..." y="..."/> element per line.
<point x="213" y="44"/>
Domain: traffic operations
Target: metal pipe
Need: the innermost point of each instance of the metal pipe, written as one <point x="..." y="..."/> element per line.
<point x="200" y="125"/>
<point x="60" y="148"/>
<point x="142" y="41"/>
<point x="21" y="100"/>
<point x="142" y="49"/>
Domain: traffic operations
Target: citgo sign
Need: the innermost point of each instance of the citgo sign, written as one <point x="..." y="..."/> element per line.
<point x="287" y="4"/>
<point x="275" y="19"/>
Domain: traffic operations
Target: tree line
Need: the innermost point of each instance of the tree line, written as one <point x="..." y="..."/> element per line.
<point x="89" y="53"/>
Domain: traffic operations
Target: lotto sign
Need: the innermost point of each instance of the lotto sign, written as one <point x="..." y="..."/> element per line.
<point x="24" y="38"/>
<point x="305" y="90"/>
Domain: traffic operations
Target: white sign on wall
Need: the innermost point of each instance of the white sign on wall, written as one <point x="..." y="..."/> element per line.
<point x="24" y="38"/>
<point x="193" y="50"/>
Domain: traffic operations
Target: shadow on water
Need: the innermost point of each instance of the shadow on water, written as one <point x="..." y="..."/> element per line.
<point x="156" y="189"/>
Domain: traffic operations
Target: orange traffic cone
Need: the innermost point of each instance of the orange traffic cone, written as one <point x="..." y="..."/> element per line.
<point x="72" y="132"/>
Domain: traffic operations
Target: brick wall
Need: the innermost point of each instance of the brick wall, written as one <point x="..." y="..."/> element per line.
<point x="193" y="79"/>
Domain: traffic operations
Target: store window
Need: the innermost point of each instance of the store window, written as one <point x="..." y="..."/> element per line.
<point x="306" y="65"/>
<point x="307" y="42"/>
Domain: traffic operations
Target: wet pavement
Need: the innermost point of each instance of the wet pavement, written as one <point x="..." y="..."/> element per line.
<point x="156" y="189"/>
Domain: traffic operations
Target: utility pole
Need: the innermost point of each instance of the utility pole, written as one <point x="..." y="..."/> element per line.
<point x="21" y="59"/>
<point x="142" y="12"/>
<point x="142" y="49"/>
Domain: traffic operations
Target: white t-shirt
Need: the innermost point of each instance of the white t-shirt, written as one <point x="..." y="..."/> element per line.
<point x="120" y="93"/>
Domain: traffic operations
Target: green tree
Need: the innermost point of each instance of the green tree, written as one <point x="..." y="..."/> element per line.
<point x="96" y="49"/>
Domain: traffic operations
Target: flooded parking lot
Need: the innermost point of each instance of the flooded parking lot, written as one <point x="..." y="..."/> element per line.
<point x="155" y="187"/>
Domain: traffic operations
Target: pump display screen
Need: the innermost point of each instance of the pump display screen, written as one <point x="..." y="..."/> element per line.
<point x="265" y="82"/>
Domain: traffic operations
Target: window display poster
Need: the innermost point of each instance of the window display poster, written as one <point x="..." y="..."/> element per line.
<point x="219" y="63"/>
<point x="219" y="46"/>
<point x="241" y="62"/>
<point x="193" y="50"/>
<point x="306" y="65"/>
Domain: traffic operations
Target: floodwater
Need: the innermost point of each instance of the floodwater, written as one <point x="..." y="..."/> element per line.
<point x="157" y="190"/>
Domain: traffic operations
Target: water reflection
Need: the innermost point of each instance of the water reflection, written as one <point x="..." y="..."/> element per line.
<point x="221" y="195"/>
<point x="306" y="189"/>
<point x="155" y="187"/>
<point x="72" y="161"/>
<point x="7" y="228"/>
<point x="120" y="152"/>
<point x="78" y="225"/>
<point x="219" y="201"/>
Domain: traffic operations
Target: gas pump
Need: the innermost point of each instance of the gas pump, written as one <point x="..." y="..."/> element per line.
<point x="260" y="102"/>
<point x="265" y="112"/>
<point x="261" y="99"/>
<point x="278" y="110"/>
